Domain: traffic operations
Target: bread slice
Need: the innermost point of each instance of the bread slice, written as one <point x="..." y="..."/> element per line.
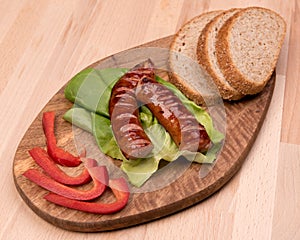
<point x="248" y="47"/>
<point x="183" y="54"/>
<point x="206" y="54"/>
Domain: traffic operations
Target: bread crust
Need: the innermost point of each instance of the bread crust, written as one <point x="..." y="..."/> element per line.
<point x="179" y="32"/>
<point x="186" y="89"/>
<point x="226" y="91"/>
<point x="189" y="92"/>
<point x="176" y="79"/>
<point x="224" y="57"/>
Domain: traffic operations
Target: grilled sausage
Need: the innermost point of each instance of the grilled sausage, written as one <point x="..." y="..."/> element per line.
<point x="183" y="127"/>
<point x="124" y="114"/>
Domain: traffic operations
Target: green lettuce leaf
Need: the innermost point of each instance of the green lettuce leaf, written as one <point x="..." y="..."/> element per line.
<point x="91" y="88"/>
<point x="140" y="170"/>
<point x="80" y="117"/>
<point x="104" y="136"/>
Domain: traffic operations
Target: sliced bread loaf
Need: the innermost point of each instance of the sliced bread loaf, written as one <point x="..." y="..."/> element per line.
<point x="206" y="54"/>
<point x="183" y="52"/>
<point x="248" y="47"/>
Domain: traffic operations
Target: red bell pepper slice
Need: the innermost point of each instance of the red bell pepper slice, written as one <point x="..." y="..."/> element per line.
<point x="119" y="188"/>
<point x="42" y="158"/>
<point x="59" y="155"/>
<point x="99" y="175"/>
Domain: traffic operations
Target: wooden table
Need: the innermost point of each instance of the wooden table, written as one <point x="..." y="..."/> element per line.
<point x="44" y="43"/>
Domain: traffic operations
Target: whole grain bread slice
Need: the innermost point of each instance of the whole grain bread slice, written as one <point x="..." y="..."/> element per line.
<point x="183" y="54"/>
<point x="248" y="46"/>
<point x="206" y="54"/>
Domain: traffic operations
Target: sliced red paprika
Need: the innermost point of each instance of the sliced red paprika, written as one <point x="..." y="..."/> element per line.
<point x="120" y="190"/>
<point x="57" y="154"/>
<point x="100" y="180"/>
<point x="42" y="158"/>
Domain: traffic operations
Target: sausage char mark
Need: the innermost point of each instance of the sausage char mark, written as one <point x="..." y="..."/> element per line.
<point x="124" y="114"/>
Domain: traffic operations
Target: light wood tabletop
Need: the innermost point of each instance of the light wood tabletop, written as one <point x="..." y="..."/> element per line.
<point x="44" y="43"/>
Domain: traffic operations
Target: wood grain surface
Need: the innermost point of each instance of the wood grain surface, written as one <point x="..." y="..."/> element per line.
<point x="243" y="121"/>
<point x="44" y="43"/>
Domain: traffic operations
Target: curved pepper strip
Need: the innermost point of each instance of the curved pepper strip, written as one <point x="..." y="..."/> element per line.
<point x="41" y="157"/>
<point x="59" y="155"/>
<point x="119" y="188"/>
<point x="100" y="179"/>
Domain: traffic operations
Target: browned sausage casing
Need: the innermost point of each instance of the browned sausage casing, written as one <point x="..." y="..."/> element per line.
<point x="183" y="127"/>
<point x="124" y="115"/>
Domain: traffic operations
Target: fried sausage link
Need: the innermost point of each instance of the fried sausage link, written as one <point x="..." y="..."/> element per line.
<point x="183" y="127"/>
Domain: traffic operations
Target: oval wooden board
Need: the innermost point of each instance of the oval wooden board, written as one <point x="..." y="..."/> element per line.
<point x="244" y="119"/>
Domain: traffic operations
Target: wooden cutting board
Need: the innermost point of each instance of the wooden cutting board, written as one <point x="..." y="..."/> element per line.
<point x="243" y="121"/>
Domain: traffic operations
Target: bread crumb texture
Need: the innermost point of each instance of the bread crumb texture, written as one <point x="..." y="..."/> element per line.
<point x="249" y="47"/>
